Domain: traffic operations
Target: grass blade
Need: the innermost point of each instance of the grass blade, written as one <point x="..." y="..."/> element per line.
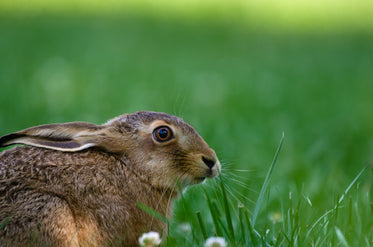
<point x="251" y="230"/>
<point x="202" y="226"/>
<point x="241" y="216"/>
<point x="152" y="212"/>
<point x="336" y="206"/>
<point x="341" y="237"/>
<point x="227" y="212"/>
<point x="214" y="215"/>
<point x="266" y="181"/>
<point x="220" y="222"/>
<point x="3" y="224"/>
<point x="351" y="184"/>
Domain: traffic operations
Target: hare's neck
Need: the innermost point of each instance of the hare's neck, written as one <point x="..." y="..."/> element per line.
<point x="129" y="168"/>
<point x="148" y="193"/>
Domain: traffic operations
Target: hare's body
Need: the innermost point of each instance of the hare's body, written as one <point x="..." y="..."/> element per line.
<point x="96" y="206"/>
<point x="89" y="197"/>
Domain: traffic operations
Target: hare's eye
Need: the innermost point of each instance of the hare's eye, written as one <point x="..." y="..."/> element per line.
<point x="162" y="134"/>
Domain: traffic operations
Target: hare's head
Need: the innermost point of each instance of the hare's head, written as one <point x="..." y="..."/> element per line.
<point x="161" y="147"/>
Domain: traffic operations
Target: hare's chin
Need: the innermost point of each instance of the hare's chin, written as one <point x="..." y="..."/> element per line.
<point x="199" y="180"/>
<point x="210" y="175"/>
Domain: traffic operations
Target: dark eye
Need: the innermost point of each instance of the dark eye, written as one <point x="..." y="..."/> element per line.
<point x="162" y="134"/>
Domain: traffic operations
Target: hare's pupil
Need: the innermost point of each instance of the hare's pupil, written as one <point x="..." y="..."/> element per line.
<point x="163" y="133"/>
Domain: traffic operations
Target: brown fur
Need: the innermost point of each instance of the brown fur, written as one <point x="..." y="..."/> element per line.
<point x="78" y="184"/>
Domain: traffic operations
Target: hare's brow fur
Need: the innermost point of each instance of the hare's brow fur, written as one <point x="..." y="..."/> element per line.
<point x="143" y="117"/>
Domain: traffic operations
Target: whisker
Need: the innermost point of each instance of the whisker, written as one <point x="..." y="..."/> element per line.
<point x="241" y="184"/>
<point x="246" y="198"/>
<point x="156" y="208"/>
<point x="241" y="170"/>
<point x="170" y="197"/>
<point x="230" y="201"/>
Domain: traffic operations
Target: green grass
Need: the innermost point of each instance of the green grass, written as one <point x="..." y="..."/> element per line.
<point x="346" y="223"/>
<point x="240" y="77"/>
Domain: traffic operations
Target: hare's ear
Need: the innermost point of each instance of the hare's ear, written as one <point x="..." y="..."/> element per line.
<point x="69" y="137"/>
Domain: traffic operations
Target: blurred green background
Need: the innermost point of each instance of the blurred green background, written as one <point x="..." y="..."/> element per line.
<point x="240" y="72"/>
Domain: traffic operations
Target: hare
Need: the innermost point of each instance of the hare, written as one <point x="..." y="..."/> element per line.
<point x="78" y="184"/>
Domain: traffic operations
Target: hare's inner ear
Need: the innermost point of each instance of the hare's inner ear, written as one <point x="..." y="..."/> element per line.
<point x="68" y="137"/>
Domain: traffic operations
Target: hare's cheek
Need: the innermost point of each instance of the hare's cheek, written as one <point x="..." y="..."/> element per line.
<point x="198" y="172"/>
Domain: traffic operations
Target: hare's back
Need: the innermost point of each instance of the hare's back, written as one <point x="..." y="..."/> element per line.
<point x="51" y="171"/>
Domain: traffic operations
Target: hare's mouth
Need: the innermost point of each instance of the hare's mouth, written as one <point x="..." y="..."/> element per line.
<point x="209" y="174"/>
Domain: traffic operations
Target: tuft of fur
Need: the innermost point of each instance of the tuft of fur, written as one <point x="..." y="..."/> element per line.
<point x="78" y="184"/>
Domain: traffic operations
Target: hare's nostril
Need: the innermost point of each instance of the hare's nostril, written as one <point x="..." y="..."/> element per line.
<point x="208" y="162"/>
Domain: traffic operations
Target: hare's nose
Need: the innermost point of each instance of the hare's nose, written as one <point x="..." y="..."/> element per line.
<point x="208" y="162"/>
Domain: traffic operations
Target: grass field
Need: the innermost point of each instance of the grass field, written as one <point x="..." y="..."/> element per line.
<point x="242" y="75"/>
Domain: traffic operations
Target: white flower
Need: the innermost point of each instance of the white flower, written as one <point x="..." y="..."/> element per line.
<point x="150" y="239"/>
<point x="215" y="242"/>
